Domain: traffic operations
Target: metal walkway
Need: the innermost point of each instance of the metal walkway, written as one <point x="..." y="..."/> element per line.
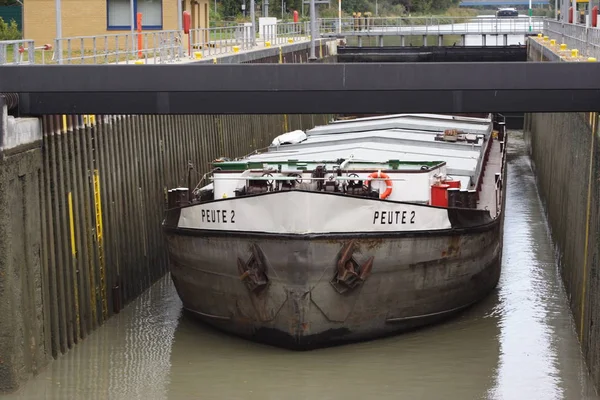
<point x="304" y="88"/>
<point x="174" y="47"/>
<point x="434" y="26"/>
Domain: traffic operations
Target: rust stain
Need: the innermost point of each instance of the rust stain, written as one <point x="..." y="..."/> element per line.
<point x="366" y="244"/>
<point x="453" y="247"/>
<point x="372" y="244"/>
<point x="366" y="268"/>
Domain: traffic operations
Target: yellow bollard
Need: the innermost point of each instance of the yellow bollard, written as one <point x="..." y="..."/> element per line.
<point x="591" y="59"/>
<point x="563" y="47"/>
<point x="215" y="60"/>
<point x="236" y="49"/>
<point x="267" y="43"/>
<point x="539" y="35"/>
<point x="139" y="62"/>
<point x="574" y="53"/>
<point x="552" y="42"/>
<point x="197" y="55"/>
<point x="545" y="38"/>
<point x="290" y="40"/>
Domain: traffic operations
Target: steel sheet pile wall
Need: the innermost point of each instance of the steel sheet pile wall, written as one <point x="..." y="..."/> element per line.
<point x="565" y="151"/>
<point x="102" y="199"/>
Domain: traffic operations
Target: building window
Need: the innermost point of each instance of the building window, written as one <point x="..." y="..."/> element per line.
<point x="118" y="13"/>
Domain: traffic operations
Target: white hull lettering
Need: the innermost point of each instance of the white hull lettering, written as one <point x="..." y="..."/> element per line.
<point x="393" y="217"/>
<point x="218" y="216"/>
<point x="271" y="213"/>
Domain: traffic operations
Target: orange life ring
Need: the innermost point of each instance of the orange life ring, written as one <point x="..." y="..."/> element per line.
<point x="387" y="180"/>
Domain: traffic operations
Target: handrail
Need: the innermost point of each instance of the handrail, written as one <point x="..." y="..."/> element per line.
<point x="157" y="47"/>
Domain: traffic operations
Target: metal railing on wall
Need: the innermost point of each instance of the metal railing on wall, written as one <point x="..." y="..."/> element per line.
<point x="585" y="39"/>
<point x="429" y="25"/>
<point x="154" y="47"/>
<point x="158" y="47"/>
<point x="17" y="52"/>
<point x="206" y="42"/>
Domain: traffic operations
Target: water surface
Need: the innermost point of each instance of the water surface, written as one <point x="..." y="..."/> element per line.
<point x="519" y="343"/>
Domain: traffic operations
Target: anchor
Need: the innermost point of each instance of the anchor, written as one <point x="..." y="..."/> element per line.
<point x="254" y="272"/>
<point x="349" y="273"/>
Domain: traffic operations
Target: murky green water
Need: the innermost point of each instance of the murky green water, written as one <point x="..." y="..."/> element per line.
<point x="519" y="343"/>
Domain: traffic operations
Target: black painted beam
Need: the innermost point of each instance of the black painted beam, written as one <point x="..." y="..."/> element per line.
<point x="417" y="49"/>
<point x="305" y="88"/>
<point x="432" y="54"/>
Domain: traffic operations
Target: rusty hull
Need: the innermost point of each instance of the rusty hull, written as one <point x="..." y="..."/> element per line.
<point x="301" y="294"/>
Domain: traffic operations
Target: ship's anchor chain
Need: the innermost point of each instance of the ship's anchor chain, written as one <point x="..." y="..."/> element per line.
<point x="349" y="273"/>
<point x="254" y="271"/>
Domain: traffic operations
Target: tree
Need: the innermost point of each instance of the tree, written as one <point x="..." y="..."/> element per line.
<point x="10" y="3"/>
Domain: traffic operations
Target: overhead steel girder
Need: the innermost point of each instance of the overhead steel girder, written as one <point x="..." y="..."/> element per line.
<point x="304" y="88"/>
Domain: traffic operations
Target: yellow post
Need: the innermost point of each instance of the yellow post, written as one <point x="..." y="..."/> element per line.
<point x="545" y="38"/>
<point x="553" y="42"/>
<point x="539" y="35"/>
<point x="591" y="59"/>
<point x="215" y="60"/>
<point x="280" y="55"/>
<point x="574" y="53"/>
<point x="268" y="43"/>
<point x="72" y="224"/>
<point x="64" y="123"/>
<point x="563" y="46"/>
<point x="74" y="255"/>
<point x="236" y="49"/>
<point x="197" y="55"/>
<point x="100" y="241"/>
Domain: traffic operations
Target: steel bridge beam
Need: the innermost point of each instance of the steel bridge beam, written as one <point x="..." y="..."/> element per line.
<point x="304" y="88"/>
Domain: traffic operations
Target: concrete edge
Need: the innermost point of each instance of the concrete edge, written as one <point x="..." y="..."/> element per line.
<point x="544" y="51"/>
<point x="267" y="52"/>
<point x="18" y="134"/>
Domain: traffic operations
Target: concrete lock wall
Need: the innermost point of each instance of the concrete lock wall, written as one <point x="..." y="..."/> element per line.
<point x="81" y="213"/>
<point x="22" y="316"/>
<point x="566" y="156"/>
<point x="565" y="152"/>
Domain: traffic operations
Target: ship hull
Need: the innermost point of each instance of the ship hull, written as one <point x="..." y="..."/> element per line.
<point x="413" y="279"/>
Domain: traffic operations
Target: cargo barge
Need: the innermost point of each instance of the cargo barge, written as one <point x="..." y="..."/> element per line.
<point x="346" y="232"/>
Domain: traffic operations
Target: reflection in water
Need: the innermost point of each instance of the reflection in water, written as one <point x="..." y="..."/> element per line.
<point x="519" y="343"/>
<point x="539" y="348"/>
